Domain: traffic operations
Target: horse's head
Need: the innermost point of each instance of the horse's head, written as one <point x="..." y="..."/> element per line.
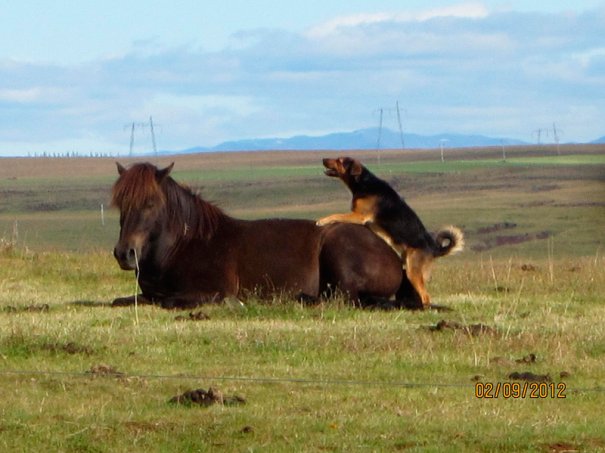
<point x="139" y="196"/>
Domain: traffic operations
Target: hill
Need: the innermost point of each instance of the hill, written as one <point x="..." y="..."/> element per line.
<point x="370" y="138"/>
<point x="598" y="141"/>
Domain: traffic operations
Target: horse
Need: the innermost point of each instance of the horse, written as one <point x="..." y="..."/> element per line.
<point x="186" y="251"/>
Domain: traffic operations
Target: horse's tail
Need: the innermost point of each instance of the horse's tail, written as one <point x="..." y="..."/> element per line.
<point x="449" y="240"/>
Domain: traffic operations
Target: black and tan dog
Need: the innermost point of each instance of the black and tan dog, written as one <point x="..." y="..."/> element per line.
<point x="376" y="204"/>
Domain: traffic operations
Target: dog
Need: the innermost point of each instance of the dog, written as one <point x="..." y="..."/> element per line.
<point x="377" y="205"/>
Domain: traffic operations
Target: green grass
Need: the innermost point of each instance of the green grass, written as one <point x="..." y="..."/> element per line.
<point x="323" y="378"/>
<point x="314" y="378"/>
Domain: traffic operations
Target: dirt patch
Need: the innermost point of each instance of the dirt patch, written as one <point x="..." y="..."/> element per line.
<point x="562" y="447"/>
<point x="588" y="204"/>
<point x="68" y="348"/>
<point x="35" y="308"/>
<point x="536" y="204"/>
<point x="491" y="240"/>
<point x="201" y="397"/>
<point x="500" y="361"/>
<point x="472" y="329"/>
<point x="104" y="370"/>
<point x="90" y="303"/>
<point x="503" y="361"/>
<point x="514" y="239"/>
<point x="529" y="376"/>
<point x="193" y="316"/>
<point x="528" y="359"/>
<point x="545" y="187"/>
<point x="496" y="227"/>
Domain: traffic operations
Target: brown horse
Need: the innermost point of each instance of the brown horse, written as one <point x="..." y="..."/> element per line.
<point x="187" y="251"/>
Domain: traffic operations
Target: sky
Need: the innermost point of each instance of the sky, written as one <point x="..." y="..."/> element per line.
<point x="75" y="75"/>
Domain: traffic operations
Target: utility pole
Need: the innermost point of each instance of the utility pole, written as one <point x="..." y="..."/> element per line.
<point x="381" y="111"/>
<point x="396" y="111"/>
<point x="155" y="149"/>
<point x="134" y="126"/>
<point x="538" y="134"/>
<point x="379" y="135"/>
<point x="442" y="141"/>
<point x="131" y="140"/>
<point x="556" y="132"/>
<point x="400" y="128"/>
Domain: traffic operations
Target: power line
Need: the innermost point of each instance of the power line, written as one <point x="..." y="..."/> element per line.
<point x="264" y="380"/>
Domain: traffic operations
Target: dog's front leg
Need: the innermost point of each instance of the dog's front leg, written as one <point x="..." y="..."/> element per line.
<point x="349" y="217"/>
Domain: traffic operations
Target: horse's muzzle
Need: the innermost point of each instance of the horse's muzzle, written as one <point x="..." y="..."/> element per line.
<point x="126" y="258"/>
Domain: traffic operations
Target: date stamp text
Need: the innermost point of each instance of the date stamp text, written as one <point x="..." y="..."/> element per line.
<point x="506" y="390"/>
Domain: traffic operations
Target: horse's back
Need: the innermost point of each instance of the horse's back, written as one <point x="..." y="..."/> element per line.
<point x="279" y="255"/>
<point x="298" y="257"/>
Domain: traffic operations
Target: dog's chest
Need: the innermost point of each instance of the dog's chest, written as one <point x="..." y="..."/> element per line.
<point x="366" y="205"/>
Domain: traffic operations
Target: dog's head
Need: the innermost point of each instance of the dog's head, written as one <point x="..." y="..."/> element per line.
<point x="345" y="168"/>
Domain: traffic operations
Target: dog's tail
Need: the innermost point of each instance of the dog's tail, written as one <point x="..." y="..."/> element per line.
<point x="449" y="240"/>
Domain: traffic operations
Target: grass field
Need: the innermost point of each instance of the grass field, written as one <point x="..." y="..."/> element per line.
<point x="82" y="376"/>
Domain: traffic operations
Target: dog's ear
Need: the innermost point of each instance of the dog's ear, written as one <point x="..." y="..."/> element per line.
<point x="356" y="169"/>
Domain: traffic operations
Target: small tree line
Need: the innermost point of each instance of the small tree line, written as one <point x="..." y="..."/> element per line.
<point x="71" y="154"/>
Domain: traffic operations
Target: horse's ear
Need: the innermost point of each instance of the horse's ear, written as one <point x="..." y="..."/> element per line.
<point x="161" y="174"/>
<point x="121" y="168"/>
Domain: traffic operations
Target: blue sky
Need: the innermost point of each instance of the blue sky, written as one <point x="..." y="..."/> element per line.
<point x="73" y="74"/>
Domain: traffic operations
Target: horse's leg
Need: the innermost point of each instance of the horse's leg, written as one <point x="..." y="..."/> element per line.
<point x="187" y="301"/>
<point x="407" y="296"/>
<point x="130" y="300"/>
<point x="306" y="299"/>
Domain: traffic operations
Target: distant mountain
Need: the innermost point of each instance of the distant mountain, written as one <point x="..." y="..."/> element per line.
<point x="598" y="141"/>
<point x="370" y="138"/>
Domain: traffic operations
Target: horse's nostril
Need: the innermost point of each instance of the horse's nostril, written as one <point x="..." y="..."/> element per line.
<point x="127" y="257"/>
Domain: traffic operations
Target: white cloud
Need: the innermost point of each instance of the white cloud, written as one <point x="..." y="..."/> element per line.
<point x="588" y="56"/>
<point x="460" y="67"/>
<point x="20" y="96"/>
<point x="464" y="10"/>
<point x="33" y="94"/>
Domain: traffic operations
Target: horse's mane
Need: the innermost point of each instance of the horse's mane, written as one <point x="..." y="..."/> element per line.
<point x="187" y="212"/>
